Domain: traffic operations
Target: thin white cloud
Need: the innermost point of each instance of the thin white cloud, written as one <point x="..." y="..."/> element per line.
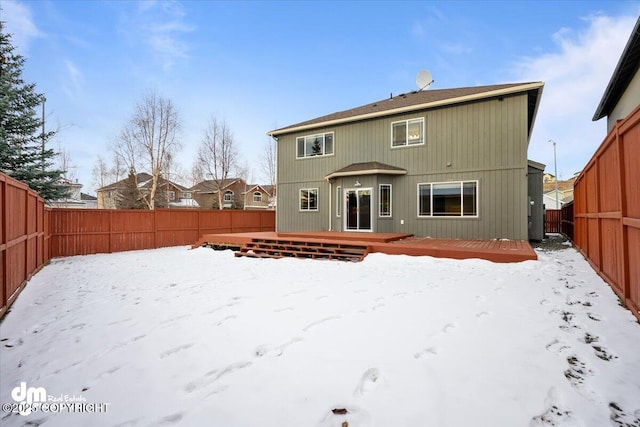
<point x="19" y="23"/>
<point x="575" y="77"/>
<point x="456" y="48"/>
<point x="162" y="26"/>
<point x="73" y="80"/>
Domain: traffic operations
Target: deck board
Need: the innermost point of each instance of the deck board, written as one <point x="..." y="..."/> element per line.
<point x="501" y="251"/>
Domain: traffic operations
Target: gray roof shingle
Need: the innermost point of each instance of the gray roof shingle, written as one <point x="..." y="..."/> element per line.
<point x="405" y="102"/>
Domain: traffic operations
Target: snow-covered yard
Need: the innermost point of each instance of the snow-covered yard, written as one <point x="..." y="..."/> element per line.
<point x="198" y="337"/>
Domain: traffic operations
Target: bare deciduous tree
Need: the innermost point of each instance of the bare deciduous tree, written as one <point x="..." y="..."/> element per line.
<point x="149" y="140"/>
<point x="101" y="173"/>
<point x="65" y="164"/>
<point x="218" y="154"/>
<point x="268" y="161"/>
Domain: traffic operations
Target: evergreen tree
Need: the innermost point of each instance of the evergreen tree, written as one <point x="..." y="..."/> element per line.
<point x="129" y="196"/>
<point x="23" y="152"/>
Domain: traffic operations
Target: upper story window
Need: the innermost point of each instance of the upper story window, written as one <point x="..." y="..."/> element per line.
<point x="171" y="195"/>
<point x="407" y="132"/>
<point x="228" y="196"/>
<point x="257" y="196"/>
<point x="314" y="145"/>
<point x="186" y="195"/>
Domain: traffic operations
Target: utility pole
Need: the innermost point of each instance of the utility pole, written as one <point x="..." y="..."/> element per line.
<point x="555" y="166"/>
<point x="44" y="100"/>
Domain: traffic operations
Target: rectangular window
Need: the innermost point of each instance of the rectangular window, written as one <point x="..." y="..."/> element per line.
<point x="171" y="195"/>
<point x="338" y="201"/>
<point x="314" y="145"/>
<point x="257" y="197"/>
<point x="449" y="199"/>
<point x="407" y="132"/>
<point x="186" y="195"/>
<point x="309" y="199"/>
<point x="385" y="200"/>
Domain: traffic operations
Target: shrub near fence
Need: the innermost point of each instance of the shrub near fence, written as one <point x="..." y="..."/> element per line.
<point x="24" y="243"/>
<point x="607" y="210"/>
<point x="90" y="231"/>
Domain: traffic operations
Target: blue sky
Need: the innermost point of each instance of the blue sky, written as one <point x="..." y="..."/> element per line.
<point x="264" y="65"/>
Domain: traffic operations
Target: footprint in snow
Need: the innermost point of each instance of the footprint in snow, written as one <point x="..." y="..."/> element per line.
<point x="449" y="327"/>
<point x="170" y="419"/>
<point x="558" y="347"/>
<point x="577" y="375"/>
<point x="594" y="316"/>
<point x="226" y="319"/>
<point x="603" y="353"/>
<point x="318" y="322"/>
<point x="482" y="314"/>
<point x="12" y="343"/>
<point x="429" y="351"/>
<point x="377" y="307"/>
<point x="370" y="378"/>
<point x="213" y="376"/>
<point x="277" y="351"/>
<point x="620" y="418"/>
<point x="554" y="415"/>
<point x="175" y="350"/>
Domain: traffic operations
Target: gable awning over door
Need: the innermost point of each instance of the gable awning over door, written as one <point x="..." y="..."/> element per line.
<point x="367" y="168"/>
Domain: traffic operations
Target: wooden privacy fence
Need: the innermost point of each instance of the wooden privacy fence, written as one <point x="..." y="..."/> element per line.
<point x="24" y="237"/>
<point x="90" y="231"/>
<point x="31" y="234"/>
<point x="552" y="219"/>
<point x="566" y="221"/>
<point x="607" y="210"/>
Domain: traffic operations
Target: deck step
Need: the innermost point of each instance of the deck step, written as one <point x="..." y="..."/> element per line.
<point x="281" y="248"/>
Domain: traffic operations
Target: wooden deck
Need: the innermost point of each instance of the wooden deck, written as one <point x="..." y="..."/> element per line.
<point x="318" y="244"/>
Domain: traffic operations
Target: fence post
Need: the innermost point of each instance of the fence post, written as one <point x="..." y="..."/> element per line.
<point x="155" y="228"/>
<point x="625" y="276"/>
<point x="110" y="230"/>
<point x="5" y="287"/>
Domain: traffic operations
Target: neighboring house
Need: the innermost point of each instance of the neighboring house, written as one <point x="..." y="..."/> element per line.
<point x="448" y="163"/>
<point x="205" y="193"/>
<point x="75" y="198"/>
<point x="91" y="202"/>
<point x="168" y="193"/>
<point x="564" y="196"/>
<point x="622" y="94"/>
<point x="259" y="197"/>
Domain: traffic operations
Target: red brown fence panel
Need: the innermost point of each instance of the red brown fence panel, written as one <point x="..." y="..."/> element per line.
<point x="566" y="222"/>
<point x="552" y="219"/>
<point x="23" y="237"/>
<point x="90" y="231"/>
<point x="607" y="210"/>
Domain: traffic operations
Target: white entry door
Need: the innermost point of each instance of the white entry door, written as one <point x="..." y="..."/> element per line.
<point x="357" y="215"/>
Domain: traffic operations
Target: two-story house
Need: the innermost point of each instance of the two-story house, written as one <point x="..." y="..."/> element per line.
<point x="236" y="194"/>
<point x="448" y="163"/>
<point x="168" y="194"/>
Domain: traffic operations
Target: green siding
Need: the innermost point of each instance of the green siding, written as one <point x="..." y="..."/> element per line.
<point x="485" y="141"/>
